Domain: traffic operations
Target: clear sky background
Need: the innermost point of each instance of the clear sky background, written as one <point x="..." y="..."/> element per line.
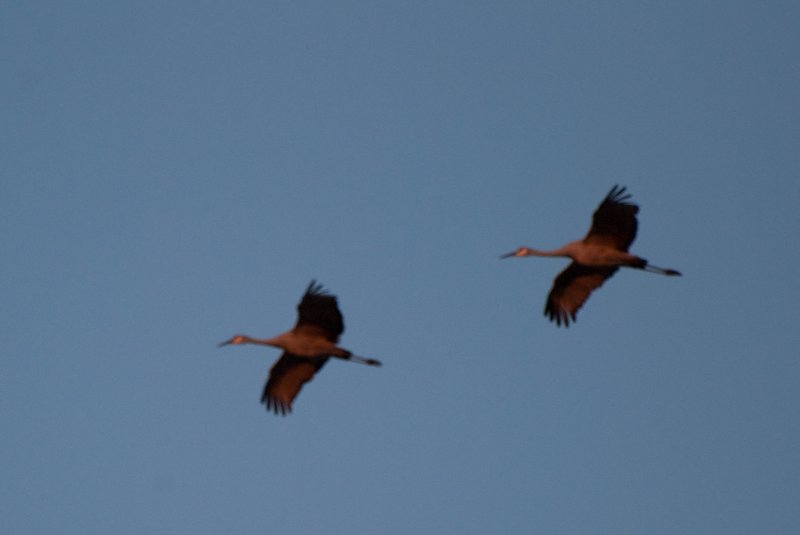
<point x="177" y="172"/>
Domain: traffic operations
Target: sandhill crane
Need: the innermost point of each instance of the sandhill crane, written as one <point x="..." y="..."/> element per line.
<point x="595" y="258"/>
<point x="306" y="348"/>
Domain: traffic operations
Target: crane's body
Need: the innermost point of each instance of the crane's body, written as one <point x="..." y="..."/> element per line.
<point x="595" y="258"/>
<point x="297" y="345"/>
<point x="587" y="254"/>
<point x="306" y="348"/>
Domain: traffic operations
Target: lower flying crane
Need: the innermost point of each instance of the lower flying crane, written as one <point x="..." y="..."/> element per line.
<point x="306" y="348"/>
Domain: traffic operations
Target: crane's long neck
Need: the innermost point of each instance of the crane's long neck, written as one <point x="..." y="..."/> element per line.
<point x="275" y="341"/>
<point x="560" y="252"/>
<point x="244" y="339"/>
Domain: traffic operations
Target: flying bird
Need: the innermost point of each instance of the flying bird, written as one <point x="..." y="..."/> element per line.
<point x="306" y="348"/>
<point x="595" y="258"/>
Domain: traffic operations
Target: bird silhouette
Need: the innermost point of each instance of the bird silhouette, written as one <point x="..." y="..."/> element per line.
<point x="306" y="348"/>
<point x="595" y="258"/>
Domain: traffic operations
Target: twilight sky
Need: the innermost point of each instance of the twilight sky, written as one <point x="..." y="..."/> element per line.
<point x="177" y="172"/>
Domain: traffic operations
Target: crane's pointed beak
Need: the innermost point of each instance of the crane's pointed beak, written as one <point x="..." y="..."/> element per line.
<point x="237" y="339"/>
<point x="508" y="255"/>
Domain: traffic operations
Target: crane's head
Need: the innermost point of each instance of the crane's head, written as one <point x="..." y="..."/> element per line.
<point x="238" y="339"/>
<point x="522" y="251"/>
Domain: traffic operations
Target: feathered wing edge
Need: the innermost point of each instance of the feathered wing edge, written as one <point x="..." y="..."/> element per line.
<point x="618" y="195"/>
<point x="320" y="309"/>
<point x="571" y="289"/>
<point x="614" y="221"/>
<point x="286" y="378"/>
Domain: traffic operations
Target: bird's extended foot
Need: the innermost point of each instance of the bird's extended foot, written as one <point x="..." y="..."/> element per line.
<point x="362" y="360"/>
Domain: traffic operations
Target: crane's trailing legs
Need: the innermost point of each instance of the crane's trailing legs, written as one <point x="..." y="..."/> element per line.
<point x="662" y="271"/>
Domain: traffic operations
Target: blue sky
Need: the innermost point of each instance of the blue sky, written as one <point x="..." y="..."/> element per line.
<point x="174" y="173"/>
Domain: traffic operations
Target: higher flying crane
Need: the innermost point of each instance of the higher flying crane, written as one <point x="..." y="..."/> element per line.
<point x="595" y="258"/>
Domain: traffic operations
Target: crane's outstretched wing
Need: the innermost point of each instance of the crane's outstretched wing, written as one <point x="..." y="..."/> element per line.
<point x="318" y="314"/>
<point x="571" y="289"/>
<point x="286" y="377"/>
<point x="614" y="222"/>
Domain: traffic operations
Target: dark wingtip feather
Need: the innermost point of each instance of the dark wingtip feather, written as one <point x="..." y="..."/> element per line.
<point x="315" y="288"/>
<point x="558" y="316"/>
<point x="618" y="195"/>
<point x="275" y="406"/>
